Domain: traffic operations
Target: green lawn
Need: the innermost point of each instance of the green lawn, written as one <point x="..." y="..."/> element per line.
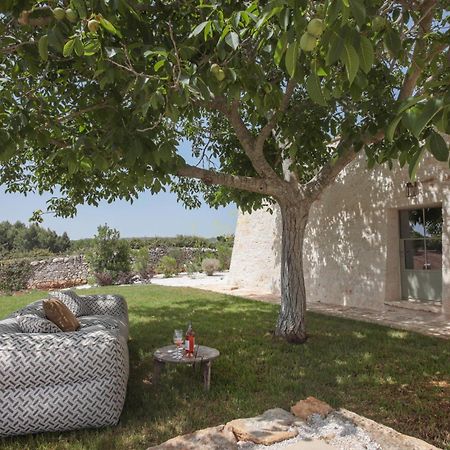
<point x="398" y="378"/>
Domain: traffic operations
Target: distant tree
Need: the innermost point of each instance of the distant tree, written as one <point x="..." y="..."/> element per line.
<point x="19" y="238"/>
<point x="109" y="254"/>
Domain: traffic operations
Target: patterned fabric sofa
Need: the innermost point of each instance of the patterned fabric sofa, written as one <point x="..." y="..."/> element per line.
<point x="66" y="380"/>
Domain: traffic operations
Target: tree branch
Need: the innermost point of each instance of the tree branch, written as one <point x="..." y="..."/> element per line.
<point x="245" y="137"/>
<point x="415" y="70"/>
<point x="270" y="125"/>
<point x="250" y="184"/>
<point x="333" y="168"/>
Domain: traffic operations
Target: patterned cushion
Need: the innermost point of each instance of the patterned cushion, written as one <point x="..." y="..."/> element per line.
<point x="9" y="326"/>
<point x="30" y="323"/>
<point x="72" y="300"/>
<point x="60" y="314"/>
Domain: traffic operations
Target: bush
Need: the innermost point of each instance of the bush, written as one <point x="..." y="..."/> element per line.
<point x="168" y="266"/>
<point x="210" y="265"/>
<point x="14" y="275"/>
<point x="178" y="255"/>
<point x="141" y="260"/>
<point x="103" y="278"/>
<point x="224" y="255"/>
<point x="109" y="253"/>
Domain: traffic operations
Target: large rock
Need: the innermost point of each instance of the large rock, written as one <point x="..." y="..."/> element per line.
<point x="274" y="425"/>
<point x="305" y="408"/>
<point x="215" y="438"/>
<point x="386" y="437"/>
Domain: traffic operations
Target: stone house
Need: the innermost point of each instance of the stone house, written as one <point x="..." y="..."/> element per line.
<point x="367" y="244"/>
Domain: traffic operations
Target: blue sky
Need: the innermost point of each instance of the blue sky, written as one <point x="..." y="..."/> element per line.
<point x="157" y="215"/>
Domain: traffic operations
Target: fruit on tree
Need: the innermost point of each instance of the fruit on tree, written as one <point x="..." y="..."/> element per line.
<point x="71" y="15"/>
<point x="378" y="23"/>
<point x="218" y="72"/>
<point x="93" y="25"/>
<point x="315" y="27"/>
<point x="59" y="13"/>
<point x="308" y="42"/>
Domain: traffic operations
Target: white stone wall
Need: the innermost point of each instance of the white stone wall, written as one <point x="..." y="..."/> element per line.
<point x="352" y="249"/>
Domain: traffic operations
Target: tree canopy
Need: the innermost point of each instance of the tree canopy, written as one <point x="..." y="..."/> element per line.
<point x="96" y="95"/>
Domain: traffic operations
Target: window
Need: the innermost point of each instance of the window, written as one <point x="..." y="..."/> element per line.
<point x="421" y="233"/>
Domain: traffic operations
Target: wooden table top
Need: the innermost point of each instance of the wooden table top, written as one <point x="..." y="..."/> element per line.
<point x="202" y="353"/>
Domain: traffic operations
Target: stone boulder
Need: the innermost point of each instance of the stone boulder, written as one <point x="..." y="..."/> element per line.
<point x="272" y="426"/>
<point x="305" y="408"/>
<point x="214" y="438"/>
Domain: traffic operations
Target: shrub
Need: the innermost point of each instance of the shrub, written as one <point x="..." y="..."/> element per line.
<point x="168" y="266"/>
<point x="178" y="255"/>
<point x="147" y="274"/>
<point x="141" y="260"/>
<point x="14" y="275"/>
<point x="109" y="253"/>
<point x="103" y="278"/>
<point x="210" y="265"/>
<point x="224" y="255"/>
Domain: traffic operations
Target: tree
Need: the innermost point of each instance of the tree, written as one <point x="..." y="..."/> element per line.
<point x="109" y="254"/>
<point x="276" y="96"/>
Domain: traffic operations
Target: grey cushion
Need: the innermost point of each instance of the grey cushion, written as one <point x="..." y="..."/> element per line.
<point x="30" y="323"/>
<point x="72" y="300"/>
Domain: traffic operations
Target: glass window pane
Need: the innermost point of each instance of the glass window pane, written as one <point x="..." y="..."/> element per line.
<point x="433" y="221"/>
<point x="434" y="254"/>
<point x="415" y="255"/>
<point x="411" y="223"/>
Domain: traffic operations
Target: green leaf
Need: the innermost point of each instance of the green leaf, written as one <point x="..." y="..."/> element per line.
<point x="100" y="162"/>
<point x="232" y="39"/>
<point x="68" y="47"/>
<point x="315" y="90"/>
<point x="80" y="8"/>
<point x="437" y="146"/>
<point x="199" y="28"/>
<point x="79" y="49"/>
<point x="159" y="64"/>
<point x="414" y="162"/>
<point x="366" y="54"/>
<point x="43" y="47"/>
<point x="418" y="117"/>
<point x="335" y="49"/>
<point x="280" y="49"/>
<point x="392" y="41"/>
<point x="291" y="58"/>
<point x="91" y="48"/>
<point x="358" y="11"/>
<point x="108" y="26"/>
<point x="333" y="11"/>
<point x="351" y="61"/>
<point x="391" y="128"/>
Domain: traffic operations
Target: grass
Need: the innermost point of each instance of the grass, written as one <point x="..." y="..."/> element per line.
<point x="398" y="378"/>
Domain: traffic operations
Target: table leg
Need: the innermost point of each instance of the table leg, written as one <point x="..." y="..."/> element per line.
<point x="206" y="366"/>
<point x="158" y="368"/>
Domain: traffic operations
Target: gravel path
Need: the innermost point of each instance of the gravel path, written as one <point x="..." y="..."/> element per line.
<point x="334" y="430"/>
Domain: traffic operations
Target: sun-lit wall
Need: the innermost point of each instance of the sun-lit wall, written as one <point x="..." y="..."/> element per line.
<point x="352" y="250"/>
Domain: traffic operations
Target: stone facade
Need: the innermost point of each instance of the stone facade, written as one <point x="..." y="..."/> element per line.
<point x="352" y="245"/>
<point x="58" y="272"/>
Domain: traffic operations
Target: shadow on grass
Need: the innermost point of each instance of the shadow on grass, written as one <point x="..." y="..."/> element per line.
<point x="392" y="376"/>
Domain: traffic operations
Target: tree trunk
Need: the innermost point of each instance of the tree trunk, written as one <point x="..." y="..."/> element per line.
<point x="291" y="321"/>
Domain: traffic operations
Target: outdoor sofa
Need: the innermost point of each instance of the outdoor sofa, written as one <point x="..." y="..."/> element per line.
<point x="65" y="380"/>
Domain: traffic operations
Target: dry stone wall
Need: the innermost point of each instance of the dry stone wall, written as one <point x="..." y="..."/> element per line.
<point x="60" y="272"/>
<point x="63" y="272"/>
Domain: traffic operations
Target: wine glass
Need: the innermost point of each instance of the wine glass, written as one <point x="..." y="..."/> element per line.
<point x="178" y="341"/>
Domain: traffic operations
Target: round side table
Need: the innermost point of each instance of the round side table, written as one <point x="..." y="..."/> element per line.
<point x="168" y="355"/>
